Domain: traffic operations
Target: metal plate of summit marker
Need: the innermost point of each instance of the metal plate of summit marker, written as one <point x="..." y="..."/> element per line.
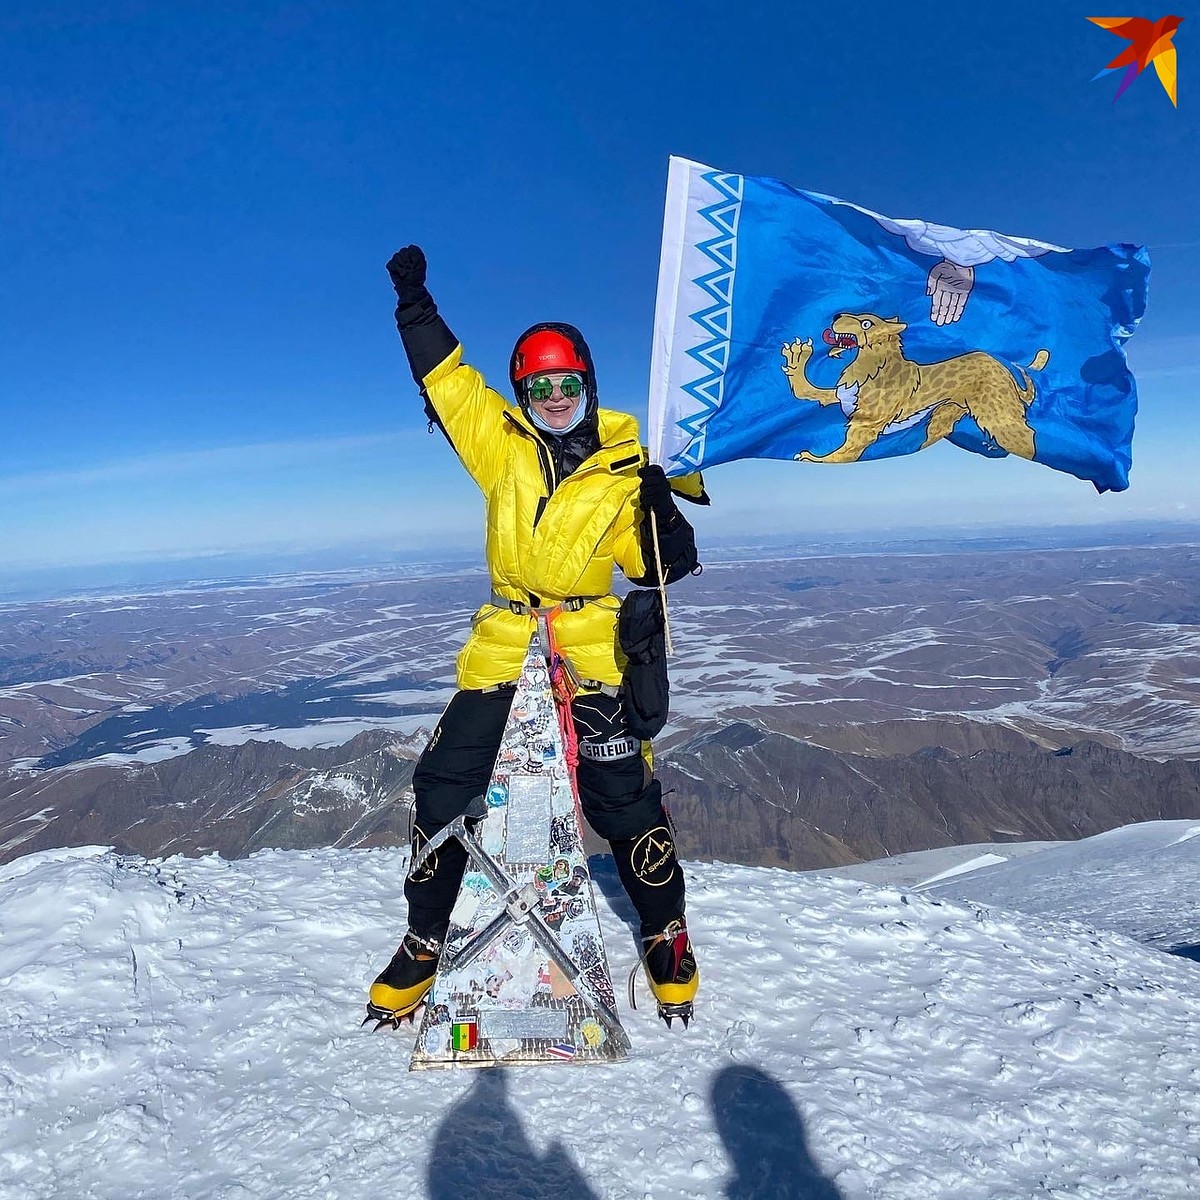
<point x="530" y="806"/>
<point x="524" y="978"/>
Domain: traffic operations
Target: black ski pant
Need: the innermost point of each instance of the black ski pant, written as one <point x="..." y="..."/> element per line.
<point x="621" y="803"/>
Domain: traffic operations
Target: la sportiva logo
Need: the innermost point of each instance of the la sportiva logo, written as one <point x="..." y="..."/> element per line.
<point x="653" y="852"/>
<point x="1150" y="42"/>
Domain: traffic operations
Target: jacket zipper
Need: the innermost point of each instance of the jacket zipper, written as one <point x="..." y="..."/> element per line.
<point x="547" y="465"/>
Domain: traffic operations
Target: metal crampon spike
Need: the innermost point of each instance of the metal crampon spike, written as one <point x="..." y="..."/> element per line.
<point x="384" y="1018"/>
<point x="683" y="1011"/>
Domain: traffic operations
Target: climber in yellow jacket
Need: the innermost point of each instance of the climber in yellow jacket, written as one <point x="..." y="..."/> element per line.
<point x="568" y="494"/>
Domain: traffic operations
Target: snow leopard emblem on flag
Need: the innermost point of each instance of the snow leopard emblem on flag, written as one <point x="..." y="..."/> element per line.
<point x="883" y="392"/>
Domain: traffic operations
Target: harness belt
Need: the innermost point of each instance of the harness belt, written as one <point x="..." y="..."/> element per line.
<point x="594" y="685"/>
<point x="587" y="685"/>
<point x="570" y="604"/>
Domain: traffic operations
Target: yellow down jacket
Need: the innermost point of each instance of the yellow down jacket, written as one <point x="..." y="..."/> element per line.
<point x="544" y="542"/>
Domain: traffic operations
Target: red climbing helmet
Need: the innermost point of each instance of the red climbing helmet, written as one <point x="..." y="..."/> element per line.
<point x="545" y="348"/>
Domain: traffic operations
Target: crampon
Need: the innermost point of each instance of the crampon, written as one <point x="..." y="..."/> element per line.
<point x="386" y="1018"/>
<point x="683" y="1011"/>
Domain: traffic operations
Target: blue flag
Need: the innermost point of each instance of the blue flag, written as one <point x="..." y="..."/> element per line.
<point x="795" y="325"/>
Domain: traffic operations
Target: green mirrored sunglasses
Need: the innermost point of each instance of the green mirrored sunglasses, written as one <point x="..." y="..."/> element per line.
<point x="542" y="388"/>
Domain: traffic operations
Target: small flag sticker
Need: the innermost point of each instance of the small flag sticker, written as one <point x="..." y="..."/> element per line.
<point x="562" y="1050"/>
<point x="464" y="1035"/>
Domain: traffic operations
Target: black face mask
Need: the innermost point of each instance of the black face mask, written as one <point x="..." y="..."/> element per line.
<point x="573" y="447"/>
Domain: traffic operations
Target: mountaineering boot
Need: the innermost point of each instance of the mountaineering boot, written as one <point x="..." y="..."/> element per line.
<point x="401" y="987"/>
<point x="671" y="971"/>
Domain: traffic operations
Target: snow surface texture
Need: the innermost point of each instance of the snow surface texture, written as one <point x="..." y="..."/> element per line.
<point x="189" y="1028"/>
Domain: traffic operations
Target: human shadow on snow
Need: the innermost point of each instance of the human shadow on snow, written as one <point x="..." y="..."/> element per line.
<point x="764" y="1139"/>
<point x="481" y="1149"/>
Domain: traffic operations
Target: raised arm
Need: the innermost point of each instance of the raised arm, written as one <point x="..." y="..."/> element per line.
<point x="457" y="398"/>
<point x="427" y="338"/>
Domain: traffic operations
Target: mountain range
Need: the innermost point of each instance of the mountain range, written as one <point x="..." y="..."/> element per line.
<point x="825" y="710"/>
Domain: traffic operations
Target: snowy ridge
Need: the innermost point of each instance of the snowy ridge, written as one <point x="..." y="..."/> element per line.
<point x="188" y="1028"/>
<point x="1141" y="880"/>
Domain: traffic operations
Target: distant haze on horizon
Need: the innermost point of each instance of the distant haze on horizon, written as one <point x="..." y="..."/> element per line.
<point x="382" y="560"/>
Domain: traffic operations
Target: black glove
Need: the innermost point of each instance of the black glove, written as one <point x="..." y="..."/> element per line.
<point x="655" y="494"/>
<point x="407" y="270"/>
<point x="675" y="545"/>
<point x="426" y="337"/>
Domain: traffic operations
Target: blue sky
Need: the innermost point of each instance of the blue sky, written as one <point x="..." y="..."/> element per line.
<point x="196" y="201"/>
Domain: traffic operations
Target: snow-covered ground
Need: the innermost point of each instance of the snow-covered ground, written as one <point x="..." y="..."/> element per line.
<point x="189" y="1028"/>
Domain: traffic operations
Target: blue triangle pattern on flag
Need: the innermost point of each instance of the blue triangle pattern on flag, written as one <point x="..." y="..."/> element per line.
<point x="731" y="185"/>
<point x="716" y="320"/>
<point x="718" y="284"/>
<point x="720" y="250"/>
<point x="724" y="215"/>
<point x="713" y="354"/>
<point x="716" y="355"/>
<point x="709" y="392"/>
<point x="694" y="424"/>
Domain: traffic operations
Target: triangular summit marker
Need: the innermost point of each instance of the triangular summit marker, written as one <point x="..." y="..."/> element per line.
<point x="523" y="977"/>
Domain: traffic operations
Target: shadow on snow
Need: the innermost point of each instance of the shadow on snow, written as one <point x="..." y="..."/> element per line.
<point x="481" y="1149"/>
<point x="764" y="1139"/>
<point x="481" y="1146"/>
